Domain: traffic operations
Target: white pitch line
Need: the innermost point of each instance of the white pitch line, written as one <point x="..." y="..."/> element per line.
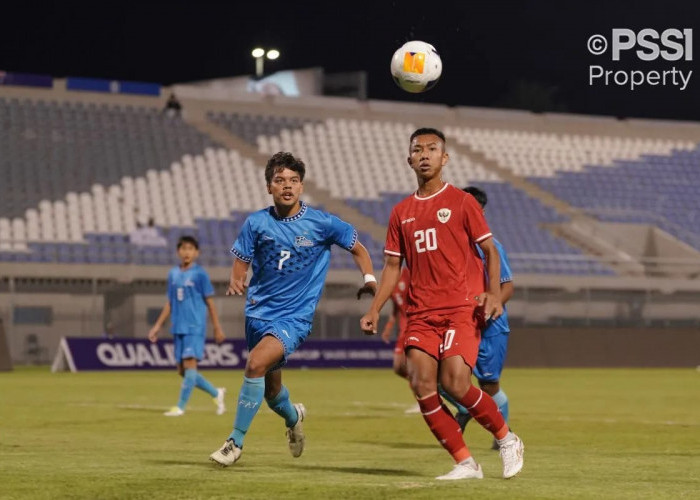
<point x="625" y="421"/>
<point x="387" y="405"/>
<point x="129" y="406"/>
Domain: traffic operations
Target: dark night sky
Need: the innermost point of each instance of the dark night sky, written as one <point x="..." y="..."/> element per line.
<point x="493" y="52"/>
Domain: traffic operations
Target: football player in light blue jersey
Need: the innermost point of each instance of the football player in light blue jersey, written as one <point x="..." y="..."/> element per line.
<point x="288" y="246"/>
<point x="494" y="338"/>
<point x="190" y="295"/>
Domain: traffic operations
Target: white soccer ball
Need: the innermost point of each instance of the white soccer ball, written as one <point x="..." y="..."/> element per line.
<point x="416" y="66"/>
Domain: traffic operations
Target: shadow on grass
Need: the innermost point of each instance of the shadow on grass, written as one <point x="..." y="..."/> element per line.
<point x="399" y="446"/>
<point x="370" y="471"/>
<point x="145" y="409"/>
<point x="190" y="463"/>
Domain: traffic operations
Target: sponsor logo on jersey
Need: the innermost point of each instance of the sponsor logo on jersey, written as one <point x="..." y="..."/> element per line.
<point x="189" y="282"/>
<point x="443" y="214"/>
<point x="406" y="221"/>
<point x="402" y="285"/>
<point x="267" y="238"/>
<point x="415" y="339"/>
<point x="303" y="241"/>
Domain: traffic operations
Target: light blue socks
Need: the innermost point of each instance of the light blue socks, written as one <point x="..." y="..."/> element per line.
<point x="281" y="405"/>
<point x="502" y="402"/>
<point x="188" y="383"/>
<point x="249" y="400"/>
<point x="206" y="386"/>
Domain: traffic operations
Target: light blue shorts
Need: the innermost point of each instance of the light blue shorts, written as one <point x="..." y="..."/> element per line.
<point x="188" y="346"/>
<point x="491" y="357"/>
<point x="290" y="332"/>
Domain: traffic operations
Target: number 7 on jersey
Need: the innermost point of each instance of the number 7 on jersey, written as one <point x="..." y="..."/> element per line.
<point x="285" y="254"/>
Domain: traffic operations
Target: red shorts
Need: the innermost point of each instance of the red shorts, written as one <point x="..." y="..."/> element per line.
<point x="445" y="335"/>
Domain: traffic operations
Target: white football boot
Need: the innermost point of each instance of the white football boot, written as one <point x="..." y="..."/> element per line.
<point x="468" y="470"/>
<point x="219" y="401"/>
<point x="295" y="435"/>
<point x="512" y="456"/>
<point x="227" y="454"/>
<point x="175" y="411"/>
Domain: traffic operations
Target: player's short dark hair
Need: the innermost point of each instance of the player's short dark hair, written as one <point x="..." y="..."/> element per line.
<point x="187" y="239"/>
<point x="477" y="193"/>
<point x="282" y="160"/>
<point x="428" y="131"/>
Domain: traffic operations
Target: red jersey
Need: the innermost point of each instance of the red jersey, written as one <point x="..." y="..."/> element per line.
<point x="436" y="235"/>
<point x="399" y="298"/>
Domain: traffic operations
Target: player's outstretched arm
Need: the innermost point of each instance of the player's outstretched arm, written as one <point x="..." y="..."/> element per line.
<point x="364" y="263"/>
<point x="390" y="276"/>
<point x="219" y="336"/>
<point x="237" y="281"/>
<point x="153" y="333"/>
<point x="491" y="299"/>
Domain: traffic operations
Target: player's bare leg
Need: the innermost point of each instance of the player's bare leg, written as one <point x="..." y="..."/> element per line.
<point x="273" y="383"/>
<point x="264" y="356"/>
<point x="399" y="367"/>
<point x="455" y="376"/>
<point x="490" y="388"/>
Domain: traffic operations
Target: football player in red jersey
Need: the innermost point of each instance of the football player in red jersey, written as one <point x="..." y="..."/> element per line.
<point x="398" y="318"/>
<point x="436" y="231"/>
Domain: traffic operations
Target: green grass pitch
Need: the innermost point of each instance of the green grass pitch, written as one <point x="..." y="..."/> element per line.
<point x="588" y="433"/>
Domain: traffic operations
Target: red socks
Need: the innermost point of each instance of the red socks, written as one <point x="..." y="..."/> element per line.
<point x="444" y="427"/>
<point x="483" y="409"/>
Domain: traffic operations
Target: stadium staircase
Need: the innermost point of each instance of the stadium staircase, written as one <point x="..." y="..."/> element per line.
<point x="629" y="248"/>
<point x="579" y="232"/>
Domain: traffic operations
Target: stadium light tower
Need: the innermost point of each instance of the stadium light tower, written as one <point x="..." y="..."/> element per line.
<point x="259" y="54"/>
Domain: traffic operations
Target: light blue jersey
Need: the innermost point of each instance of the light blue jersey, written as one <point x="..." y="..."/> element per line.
<point x="500" y="324"/>
<point x="290" y="258"/>
<point x="187" y="293"/>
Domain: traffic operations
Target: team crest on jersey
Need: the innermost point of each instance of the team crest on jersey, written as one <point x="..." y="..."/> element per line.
<point x="443" y="214"/>
<point x="303" y="241"/>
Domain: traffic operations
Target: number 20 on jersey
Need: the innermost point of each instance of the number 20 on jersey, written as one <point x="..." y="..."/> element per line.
<point x="426" y="239"/>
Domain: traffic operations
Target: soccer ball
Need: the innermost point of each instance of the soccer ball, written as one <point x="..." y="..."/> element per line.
<point x="416" y="66"/>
